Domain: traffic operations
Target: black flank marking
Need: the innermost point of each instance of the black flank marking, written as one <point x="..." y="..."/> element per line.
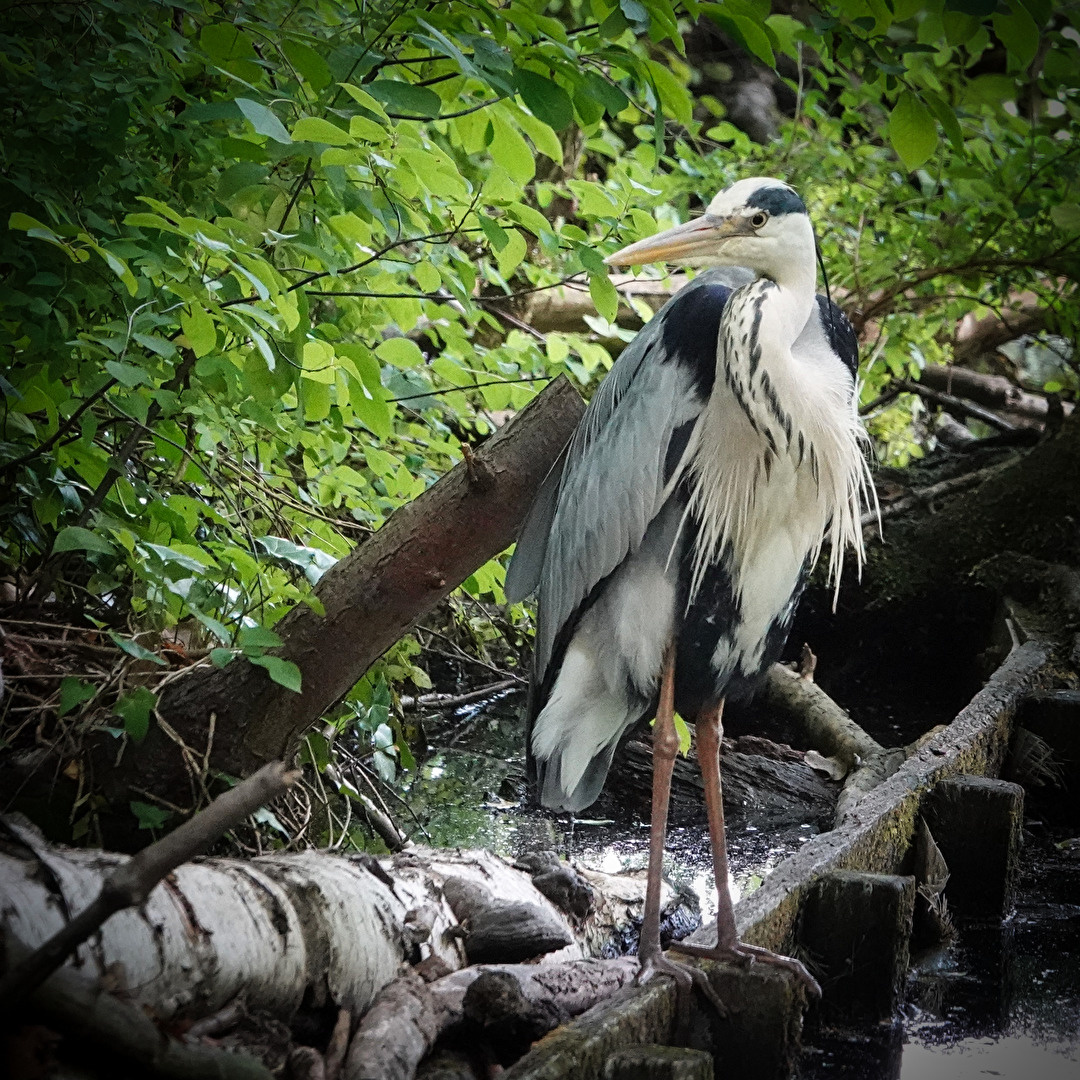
<point x="814" y="465"/>
<point x="840" y="332"/>
<point x="691" y="331"/>
<point x="755" y="352"/>
<point x="677" y="447"/>
<point x="775" y="408"/>
<point x="802" y="448"/>
<point x="767" y="458"/>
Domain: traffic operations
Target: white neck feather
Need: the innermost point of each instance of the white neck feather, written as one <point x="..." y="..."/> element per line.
<point x="779" y="457"/>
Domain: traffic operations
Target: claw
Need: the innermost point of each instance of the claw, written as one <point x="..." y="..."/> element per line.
<point x="745" y="955"/>
<point x="685" y="976"/>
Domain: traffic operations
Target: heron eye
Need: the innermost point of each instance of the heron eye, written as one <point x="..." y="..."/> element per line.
<point x="759" y="219"/>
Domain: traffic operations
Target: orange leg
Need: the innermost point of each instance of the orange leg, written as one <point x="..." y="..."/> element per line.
<point x="665" y="748"/>
<point x="710" y="730"/>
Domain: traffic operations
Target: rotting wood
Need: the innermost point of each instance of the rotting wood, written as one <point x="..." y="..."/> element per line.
<point x="640" y="1014"/>
<point x="854" y="931"/>
<point x="371" y="597"/>
<point x="653" y="1062"/>
<point x="525" y="1002"/>
<point x="830" y="730"/>
<point x="768" y="792"/>
<point x="977" y="822"/>
<point x="882" y="827"/>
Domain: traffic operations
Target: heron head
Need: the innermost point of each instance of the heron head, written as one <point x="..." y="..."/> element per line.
<point x="760" y="223"/>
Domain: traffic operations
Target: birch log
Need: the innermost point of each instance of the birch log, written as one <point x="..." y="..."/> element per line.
<point x="286" y="929"/>
<point x="276" y="928"/>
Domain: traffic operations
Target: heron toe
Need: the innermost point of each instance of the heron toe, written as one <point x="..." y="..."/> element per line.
<point x="745" y="955"/>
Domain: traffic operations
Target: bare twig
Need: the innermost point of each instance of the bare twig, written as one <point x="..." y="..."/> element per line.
<point x="927" y="495"/>
<point x="451" y="701"/>
<point x="953" y="404"/>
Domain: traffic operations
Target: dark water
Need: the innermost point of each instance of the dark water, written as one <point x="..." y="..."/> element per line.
<point x="470" y="792"/>
<point x="1002" y="1001"/>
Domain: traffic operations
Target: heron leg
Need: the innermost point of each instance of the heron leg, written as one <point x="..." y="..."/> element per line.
<point x="651" y="956"/>
<point x="710" y="730"/>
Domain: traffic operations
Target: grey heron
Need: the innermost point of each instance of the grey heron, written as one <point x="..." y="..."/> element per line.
<point x="670" y="543"/>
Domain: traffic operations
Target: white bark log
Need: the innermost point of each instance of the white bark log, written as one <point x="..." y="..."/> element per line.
<point x="273" y="927"/>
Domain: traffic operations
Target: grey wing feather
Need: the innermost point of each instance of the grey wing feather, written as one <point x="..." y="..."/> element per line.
<point x="523" y="574"/>
<point x="608" y="484"/>
<point x="612" y="483"/>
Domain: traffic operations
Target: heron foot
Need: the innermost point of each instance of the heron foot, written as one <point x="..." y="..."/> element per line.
<point x="686" y="977"/>
<point x="744" y="955"/>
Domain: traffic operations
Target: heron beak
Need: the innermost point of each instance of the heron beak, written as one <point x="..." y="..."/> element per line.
<point x="697" y="237"/>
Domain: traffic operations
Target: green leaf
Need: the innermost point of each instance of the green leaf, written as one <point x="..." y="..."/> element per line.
<point x="1019" y="33"/>
<point x="674" y="97"/>
<point x="257" y="637"/>
<point x="316" y="129"/>
<point x="947" y="118"/>
<point x="511" y="151"/>
<point x="608" y="94"/>
<point x="1066" y="216"/>
<point x="403" y="97"/>
<point x="73" y="692"/>
<point x="134" y="708"/>
<point x="912" y="131"/>
<point x="263" y="120"/>
<point x="546" y="100"/>
<point x="604" y="296"/>
<point x="76" y="538"/>
<point x="221" y="658"/>
<point x="494" y="232"/>
<point x="283" y="672"/>
<point x="133" y="648"/>
<point x="149" y="817"/>
<point x="512" y="253"/>
<point x="362" y="97"/>
<point x="308" y="62"/>
<point x="401" y="352"/>
<point x="127" y="374"/>
<point x="312" y="561"/>
<point x="199" y="329"/>
<point x="683" y="731"/>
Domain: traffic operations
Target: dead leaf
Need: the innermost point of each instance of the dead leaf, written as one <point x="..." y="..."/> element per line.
<point x="833" y="767"/>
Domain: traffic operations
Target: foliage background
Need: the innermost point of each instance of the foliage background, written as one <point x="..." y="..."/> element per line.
<point x="266" y="264"/>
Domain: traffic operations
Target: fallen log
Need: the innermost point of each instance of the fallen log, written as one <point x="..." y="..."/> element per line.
<point x="281" y="929"/>
<point x="767" y="792"/>
<point x="289" y="933"/>
<point x="830" y="731"/>
<point x="132" y="882"/>
<point x="993" y="391"/>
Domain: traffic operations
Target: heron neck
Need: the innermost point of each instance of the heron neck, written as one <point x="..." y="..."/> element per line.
<point x="791" y="303"/>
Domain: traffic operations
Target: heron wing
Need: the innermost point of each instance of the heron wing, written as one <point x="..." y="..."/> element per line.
<point x="627" y="452"/>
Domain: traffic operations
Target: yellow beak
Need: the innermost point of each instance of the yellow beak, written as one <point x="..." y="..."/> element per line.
<point x="695" y="238"/>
